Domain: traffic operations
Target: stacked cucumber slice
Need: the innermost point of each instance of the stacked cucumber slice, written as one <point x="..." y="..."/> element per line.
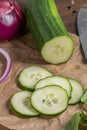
<point x="77" y="91"/>
<point x="45" y="94"/>
<point x="50" y="100"/>
<point x="55" y="80"/>
<point x="20" y="102"/>
<point x="29" y="76"/>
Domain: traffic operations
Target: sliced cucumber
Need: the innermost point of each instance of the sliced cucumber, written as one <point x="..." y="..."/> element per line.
<point x="20" y="102"/>
<point x="48" y="31"/>
<point x="55" y="80"/>
<point x="77" y="91"/>
<point x="61" y="49"/>
<point x="29" y="76"/>
<point x="50" y="100"/>
<point x="84" y="98"/>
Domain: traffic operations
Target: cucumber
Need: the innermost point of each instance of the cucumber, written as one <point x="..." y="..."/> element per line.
<point x="20" y="103"/>
<point x="29" y="76"/>
<point x="77" y="91"/>
<point x="50" y="100"/>
<point x="84" y="98"/>
<point x="55" y="80"/>
<point x="48" y="31"/>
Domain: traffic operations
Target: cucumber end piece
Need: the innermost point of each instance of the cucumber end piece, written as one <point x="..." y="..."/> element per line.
<point x="58" y="50"/>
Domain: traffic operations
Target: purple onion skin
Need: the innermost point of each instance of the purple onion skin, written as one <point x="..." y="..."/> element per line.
<point x="12" y="25"/>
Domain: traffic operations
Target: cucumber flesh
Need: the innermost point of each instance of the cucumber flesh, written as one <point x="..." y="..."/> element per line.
<point x="50" y="100"/>
<point x="48" y="30"/>
<point x="55" y="80"/>
<point x="20" y="102"/>
<point x="77" y="91"/>
<point x="57" y="50"/>
<point x="29" y="76"/>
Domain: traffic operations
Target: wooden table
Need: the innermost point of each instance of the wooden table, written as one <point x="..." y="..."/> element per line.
<point x="68" y="10"/>
<point x="22" y="56"/>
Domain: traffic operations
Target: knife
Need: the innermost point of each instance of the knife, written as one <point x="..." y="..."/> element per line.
<point x="82" y="29"/>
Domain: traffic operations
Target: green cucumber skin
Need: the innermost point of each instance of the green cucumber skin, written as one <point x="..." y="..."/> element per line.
<point x="44" y="21"/>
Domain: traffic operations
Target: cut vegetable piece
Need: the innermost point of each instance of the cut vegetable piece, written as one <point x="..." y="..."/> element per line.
<point x="50" y="100"/>
<point x="84" y="98"/>
<point x="55" y="80"/>
<point x="48" y="30"/>
<point x="21" y="104"/>
<point x="29" y="76"/>
<point x="60" y="50"/>
<point x="77" y="91"/>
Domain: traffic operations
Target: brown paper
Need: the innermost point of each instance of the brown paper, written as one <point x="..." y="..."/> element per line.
<point x="23" y="56"/>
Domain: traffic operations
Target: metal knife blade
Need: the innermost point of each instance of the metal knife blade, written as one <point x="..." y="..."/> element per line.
<point x="82" y="29"/>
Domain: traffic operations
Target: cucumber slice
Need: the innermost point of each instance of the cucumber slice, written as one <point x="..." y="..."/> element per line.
<point x="61" y="49"/>
<point x="77" y="91"/>
<point x="29" y="76"/>
<point x="50" y="100"/>
<point x="55" y="80"/>
<point x="84" y="98"/>
<point x="20" y="102"/>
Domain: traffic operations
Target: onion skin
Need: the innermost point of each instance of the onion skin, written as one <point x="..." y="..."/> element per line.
<point x="11" y="20"/>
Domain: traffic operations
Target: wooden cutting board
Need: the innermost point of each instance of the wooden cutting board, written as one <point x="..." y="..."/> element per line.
<point x="24" y="53"/>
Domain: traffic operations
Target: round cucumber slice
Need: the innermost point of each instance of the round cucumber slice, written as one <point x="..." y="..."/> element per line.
<point x="55" y="80"/>
<point x="20" y="102"/>
<point x="31" y="75"/>
<point x="50" y="100"/>
<point x="77" y="91"/>
<point x="61" y="49"/>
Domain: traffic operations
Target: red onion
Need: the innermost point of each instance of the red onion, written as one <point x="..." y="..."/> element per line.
<point x="11" y="19"/>
<point x="8" y="66"/>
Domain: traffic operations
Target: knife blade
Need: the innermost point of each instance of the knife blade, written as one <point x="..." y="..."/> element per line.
<point x="82" y="29"/>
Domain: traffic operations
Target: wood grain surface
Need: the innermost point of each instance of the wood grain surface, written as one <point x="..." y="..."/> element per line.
<point x="23" y="53"/>
<point x="23" y="56"/>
